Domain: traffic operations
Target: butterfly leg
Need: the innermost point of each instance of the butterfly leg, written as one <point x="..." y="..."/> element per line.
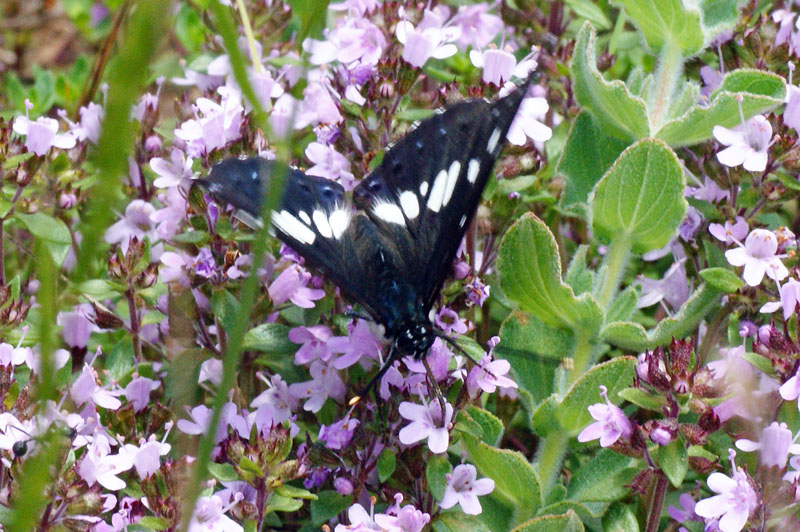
<point x="432" y="380"/>
<point x="393" y="355"/>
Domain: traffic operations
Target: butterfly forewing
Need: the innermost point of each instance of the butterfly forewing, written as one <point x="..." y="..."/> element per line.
<point x="425" y="192"/>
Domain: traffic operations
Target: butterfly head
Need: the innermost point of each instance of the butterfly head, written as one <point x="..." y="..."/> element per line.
<point x="416" y="339"/>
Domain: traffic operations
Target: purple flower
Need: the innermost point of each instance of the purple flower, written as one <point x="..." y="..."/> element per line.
<point x="338" y="435"/>
<point x="686" y="512"/>
<point x="791" y="114"/>
<point x="747" y="144"/>
<point x="477" y="292"/>
<point x="477" y="27"/>
<point x="528" y="122"/>
<point x="690" y="224"/>
<point x="174" y="266"/>
<point x="426" y="423"/>
<point x="711" y="80"/>
<point x="450" y="322"/>
<point x="101" y="467"/>
<point x="146" y="457"/>
<point x="276" y="399"/>
<point x="488" y="375"/>
<point x="360" y="343"/>
<point x="325" y="382"/>
<point x="500" y="65"/>
<point x="775" y="445"/>
<point x="209" y="516"/>
<point x="422" y="44"/>
<point x="673" y="288"/>
<point x="291" y="285"/>
<point x="216" y="125"/>
<point x="735" y="501"/>
<point x="135" y="223"/>
<point x="317" y="107"/>
<point x="86" y="388"/>
<point x="356" y="7"/>
<point x="709" y="191"/>
<point x="355" y="42"/>
<point x="611" y="423"/>
<point x="315" y="343"/>
<point x="758" y="256"/>
<point x="790" y="390"/>
<point x="343" y="485"/>
<point x="730" y="233"/>
<point x="169" y="219"/>
<point x="204" y="264"/>
<point x="463" y="488"/>
<point x="42" y="133"/>
<point x="201" y="417"/>
<point x="329" y="163"/>
<point x="137" y="392"/>
<point x="176" y="171"/>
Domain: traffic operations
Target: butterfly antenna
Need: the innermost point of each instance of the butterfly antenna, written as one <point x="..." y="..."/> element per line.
<point x="451" y="342"/>
<point x="371" y="384"/>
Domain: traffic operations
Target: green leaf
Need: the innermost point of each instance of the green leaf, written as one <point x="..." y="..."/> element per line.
<point x="603" y="478"/>
<point x="310" y="16"/>
<point x="515" y="481"/>
<point x="530" y="275"/>
<point x="568" y="522"/>
<point x="673" y="460"/>
<point x="618" y="112"/>
<point x="51" y="231"/>
<point x="642" y="399"/>
<point x="589" y="10"/>
<point x="225" y="307"/>
<point x="491" y="426"/>
<point x="278" y="503"/>
<point x="435" y="474"/>
<point x="223" y="472"/>
<point x="269" y="337"/>
<point x="616" y="374"/>
<point x="640" y="199"/>
<point x="153" y="523"/>
<point x="327" y="506"/>
<point x="98" y="289"/>
<point x="620" y="518"/>
<point x="287" y="490"/>
<point x="759" y="91"/>
<point x="387" y="462"/>
<point x="624" y="304"/>
<point x="722" y="279"/>
<point x="458" y="521"/>
<point x="666" y="23"/>
<point x="759" y="362"/>
<point x="632" y="336"/>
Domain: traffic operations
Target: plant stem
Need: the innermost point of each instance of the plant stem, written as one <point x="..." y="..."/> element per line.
<point x="581" y="357"/>
<point x="670" y="65"/>
<point x="549" y="457"/>
<point x="251" y="40"/>
<point x="656" y="503"/>
<point x="619" y="252"/>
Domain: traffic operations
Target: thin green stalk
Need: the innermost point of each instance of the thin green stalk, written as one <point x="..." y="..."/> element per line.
<point x="670" y="66"/>
<point x="251" y="40"/>
<point x="549" y="457"/>
<point x="617" y="257"/>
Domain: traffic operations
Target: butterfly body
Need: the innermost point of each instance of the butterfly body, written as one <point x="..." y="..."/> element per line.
<point x="391" y="247"/>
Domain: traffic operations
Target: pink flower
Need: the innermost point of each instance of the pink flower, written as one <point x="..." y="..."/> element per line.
<point x="611" y="425"/>
<point x="314" y="342"/>
<point x="146" y="457"/>
<point x="758" y="256"/>
<point x="325" y="382"/>
<point x="359" y="343"/>
<point x="338" y="435"/>
<point x="775" y="445"/>
<point x="422" y="44"/>
<point x="477" y="27"/>
<point x="790" y="390"/>
<point x="729" y="233"/>
<point x="747" y="144"/>
<point x="488" y="375"/>
<point x="101" y="467"/>
<point x="135" y="223"/>
<point x="709" y="191"/>
<point x="426" y="423"/>
<point x="137" y="392"/>
<point x="329" y="163"/>
<point x="85" y="388"/>
<point x="463" y="489"/>
<point x="735" y="501"/>
<point x="42" y="133"/>
<point x="291" y="285"/>
<point x="528" y="122"/>
<point x="209" y="516"/>
<point x="216" y="125"/>
<point x="173" y="172"/>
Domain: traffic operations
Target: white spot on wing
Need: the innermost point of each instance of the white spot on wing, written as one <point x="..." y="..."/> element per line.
<point x="462" y="220"/>
<point x="409" y="203"/>
<point x="423" y="188"/>
<point x="339" y="220"/>
<point x="473" y="169"/>
<point x="304" y="216"/>
<point x="289" y="224"/>
<point x="494" y="138"/>
<point x="321" y="221"/>
<point x="437" y="192"/>
<point x="389" y="212"/>
<point x="452" y="177"/>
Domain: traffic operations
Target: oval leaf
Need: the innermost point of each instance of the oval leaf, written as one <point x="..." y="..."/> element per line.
<point x="722" y="279"/>
<point x="640" y="199"/>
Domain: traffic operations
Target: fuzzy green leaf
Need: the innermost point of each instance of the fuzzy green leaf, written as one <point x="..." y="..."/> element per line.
<point x="666" y="22"/>
<point x="722" y="279"/>
<point x="568" y="522"/>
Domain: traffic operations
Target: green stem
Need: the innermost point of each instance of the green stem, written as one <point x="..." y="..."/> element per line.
<point x="251" y="40"/>
<point x="619" y="252"/>
<point x="549" y="457"/>
<point x="581" y="357"/>
<point x="670" y="66"/>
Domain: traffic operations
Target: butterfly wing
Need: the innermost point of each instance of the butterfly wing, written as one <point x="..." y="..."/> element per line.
<point x="425" y="192"/>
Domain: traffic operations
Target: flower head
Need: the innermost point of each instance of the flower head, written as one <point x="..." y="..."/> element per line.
<point x="747" y="144"/>
<point x="428" y="423"/>
<point x="758" y="256"/>
<point x="735" y="500"/>
<point x="463" y="488"/>
<point x="611" y="425"/>
<point x="41" y="134"/>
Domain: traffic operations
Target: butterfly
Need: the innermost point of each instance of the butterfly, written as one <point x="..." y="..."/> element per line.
<point x="391" y="246"/>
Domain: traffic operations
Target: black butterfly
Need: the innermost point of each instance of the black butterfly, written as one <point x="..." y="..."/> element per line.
<point x="392" y="252"/>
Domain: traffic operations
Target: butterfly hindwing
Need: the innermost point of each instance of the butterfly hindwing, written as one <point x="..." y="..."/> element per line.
<point x="425" y="192"/>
